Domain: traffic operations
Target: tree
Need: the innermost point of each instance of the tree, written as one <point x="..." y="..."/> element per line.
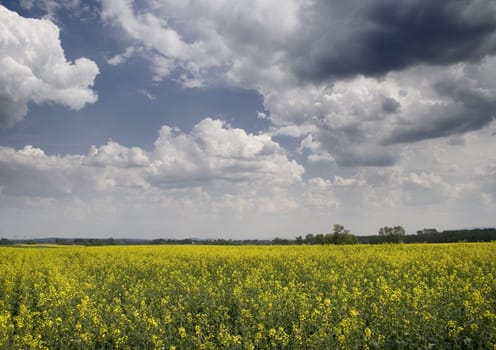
<point x="342" y="236"/>
<point x="391" y="234"/>
<point x="280" y="241"/>
<point x="319" y="238"/>
<point x="310" y="239"/>
<point x="5" y="241"/>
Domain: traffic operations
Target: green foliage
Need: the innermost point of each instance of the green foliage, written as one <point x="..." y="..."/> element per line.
<point x="5" y="241"/>
<point x="391" y="234"/>
<point x="431" y="235"/>
<point x="339" y="235"/>
<point x="342" y="236"/>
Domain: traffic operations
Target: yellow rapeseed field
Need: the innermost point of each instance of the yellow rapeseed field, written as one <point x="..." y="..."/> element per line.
<point x="249" y="297"/>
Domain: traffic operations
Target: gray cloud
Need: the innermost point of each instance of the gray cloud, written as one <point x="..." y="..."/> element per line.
<point x="366" y="157"/>
<point x="386" y="35"/>
<point x="359" y="77"/>
<point x="350" y="146"/>
<point x="11" y="111"/>
<point x="390" y="105"/>
<point x="29" y="172"/>
<point x="444" y="121"/>
<point x="465" y="104"/>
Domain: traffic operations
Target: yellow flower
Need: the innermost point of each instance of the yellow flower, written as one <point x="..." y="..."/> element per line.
<point x="272" y="332"/>
<point x="367" y="332"/>
<point x="182" y="332"/>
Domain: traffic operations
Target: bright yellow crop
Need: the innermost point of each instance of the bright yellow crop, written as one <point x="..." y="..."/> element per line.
<point x="249" y="297"/>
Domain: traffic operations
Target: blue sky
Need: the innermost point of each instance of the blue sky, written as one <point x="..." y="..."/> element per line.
<point x="130" y="107"/>
<point x="158" y="118"/>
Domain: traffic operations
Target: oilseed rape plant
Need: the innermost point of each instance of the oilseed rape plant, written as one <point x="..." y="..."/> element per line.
<point x="249" y="297"/>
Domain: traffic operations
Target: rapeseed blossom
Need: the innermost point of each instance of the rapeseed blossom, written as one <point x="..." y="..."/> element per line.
<point x="249" y="297"/>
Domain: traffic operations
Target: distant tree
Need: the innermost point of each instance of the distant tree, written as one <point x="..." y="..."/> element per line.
<point x="427" y="231"/>
<point x="5" y="241"/>
<point x="63" y="241"/>
<point x="342" y="236"/>
<point x="280" y="241"/>
<point x="428" y="235"/>
<point x="391" y="234"/>
<point x="310" y="239"/>
<point x="109" y="241"/>
<point x="95" y="241"/>
<point x="320" y="238"/>
<point x="299" y="240"/>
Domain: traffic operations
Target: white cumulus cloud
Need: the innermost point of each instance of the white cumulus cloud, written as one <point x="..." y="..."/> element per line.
<point x="33" y="68"/>
<point x="213" y="150"/>
<point x="212" y="153"/>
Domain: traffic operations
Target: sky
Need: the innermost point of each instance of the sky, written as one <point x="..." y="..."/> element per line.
<point x="245" y="120"/>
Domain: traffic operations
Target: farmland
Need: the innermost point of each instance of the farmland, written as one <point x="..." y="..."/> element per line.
<point x="249" y="297"/>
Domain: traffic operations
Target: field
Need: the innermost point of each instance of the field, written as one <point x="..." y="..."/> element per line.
<point x="249" y="297"/>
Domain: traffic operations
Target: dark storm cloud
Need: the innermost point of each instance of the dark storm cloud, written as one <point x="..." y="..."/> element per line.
<point x="348" y="144"/>
<point x="470" y="110"/>
<point x="386" y="35"/>
<point x="390" y="105"/>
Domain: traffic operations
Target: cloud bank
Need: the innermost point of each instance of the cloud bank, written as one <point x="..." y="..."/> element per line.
<point x="361" y="79"/>
<point x="211" y="153"/>
<point x="391" y="107"/>
<point x="217" y="180"/>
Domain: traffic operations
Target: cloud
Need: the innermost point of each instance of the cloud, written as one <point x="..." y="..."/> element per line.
<point x="122" y="57"/>
<point x="206" y="42"/>
<point x="211" y="153"/>
<point x="115" y="155"/>
<point x="344" y="122"/>
<point x="33" y="68"/>
<point x="165" y="47"/>
<point x="213" y="173"/>
<point x="361" y="78"/>
<point x="390" y="105"/>
<point x="463" y="98"/>
<point x="30" y="172"/>
<point x="215" y="151"/>
<point x="55" y="10"/>
<point x="485" y="175"/>
<point x="427" y="188"/>
<point x="147" y="94"/>
<point x="367" y="122"/>
<point x="11" y="111"/>
<point x="312" y="42"/>
<point x="376" y="38"/>
<point x="217" y="180"/>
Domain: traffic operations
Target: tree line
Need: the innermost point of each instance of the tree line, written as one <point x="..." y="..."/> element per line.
<point x="339" y="235"/>
<point x="395" y="234"/>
